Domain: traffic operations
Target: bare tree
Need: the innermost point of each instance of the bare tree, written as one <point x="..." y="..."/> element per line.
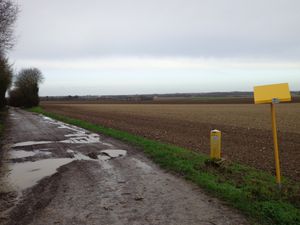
<point x="6" y="75"/>
<point x="8" y="16"/>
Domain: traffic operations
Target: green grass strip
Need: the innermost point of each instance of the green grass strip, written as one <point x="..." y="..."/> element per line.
<point x="252" y="191"/>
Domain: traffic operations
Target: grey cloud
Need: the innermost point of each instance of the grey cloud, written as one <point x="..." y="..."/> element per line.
<point x="195" y="28"/>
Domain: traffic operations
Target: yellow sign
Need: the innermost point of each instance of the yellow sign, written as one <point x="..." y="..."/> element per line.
<point x="272" y="93"/>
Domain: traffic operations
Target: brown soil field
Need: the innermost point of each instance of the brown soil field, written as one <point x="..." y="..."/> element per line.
<point x="161" y="100"/>
<point x="246" y="128"/>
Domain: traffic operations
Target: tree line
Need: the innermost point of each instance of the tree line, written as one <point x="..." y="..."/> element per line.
<point x="22" y="87"/>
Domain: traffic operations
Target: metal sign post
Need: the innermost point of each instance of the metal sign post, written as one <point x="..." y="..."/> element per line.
<point x="275" y="140"/>
<point x="273" y="94"/>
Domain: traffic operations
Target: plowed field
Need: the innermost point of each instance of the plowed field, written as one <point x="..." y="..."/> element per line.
<point x="247" y="136"/>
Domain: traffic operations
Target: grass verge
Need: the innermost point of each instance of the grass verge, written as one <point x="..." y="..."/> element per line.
<point x="252" y="191"/>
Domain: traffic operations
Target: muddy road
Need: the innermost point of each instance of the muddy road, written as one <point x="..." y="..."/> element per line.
<point x="54" y="173"/>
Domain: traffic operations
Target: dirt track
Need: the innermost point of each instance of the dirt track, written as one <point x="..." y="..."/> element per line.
<point x="250" y="143"/>
<point x="125" y="188"/>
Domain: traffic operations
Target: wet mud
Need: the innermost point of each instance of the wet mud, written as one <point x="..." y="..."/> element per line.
<point x="54" y="173"/>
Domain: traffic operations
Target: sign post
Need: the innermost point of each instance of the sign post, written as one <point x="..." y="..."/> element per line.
<point x="273" y="94"/>
<point x="275" y="140"/>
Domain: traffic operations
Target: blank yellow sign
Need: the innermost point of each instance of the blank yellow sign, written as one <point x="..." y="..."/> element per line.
<point x="270" y="93"/>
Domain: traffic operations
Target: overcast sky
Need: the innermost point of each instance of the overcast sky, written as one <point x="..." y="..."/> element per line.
<point x="158" y="46"/>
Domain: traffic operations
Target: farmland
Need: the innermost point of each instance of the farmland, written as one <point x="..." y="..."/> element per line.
<point x="246" y="128"/>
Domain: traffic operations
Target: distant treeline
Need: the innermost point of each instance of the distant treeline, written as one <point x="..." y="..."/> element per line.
<point x="212" y="97"/>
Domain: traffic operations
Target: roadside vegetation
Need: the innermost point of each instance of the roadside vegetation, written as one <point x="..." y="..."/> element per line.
<point x="6" y="76"/>
<point x="26" y="84"/>
<point x="8" y="16"/>
<point x="252" y="191"/>
<point x="26" y="88"/>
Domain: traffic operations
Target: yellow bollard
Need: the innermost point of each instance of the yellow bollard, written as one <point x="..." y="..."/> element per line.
<point x="215" y="144"/>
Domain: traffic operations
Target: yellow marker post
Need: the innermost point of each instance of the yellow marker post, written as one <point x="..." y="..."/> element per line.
<point x="275" y="139"/>
<point x="273" y="94"/>
<point x="215" y="144"/>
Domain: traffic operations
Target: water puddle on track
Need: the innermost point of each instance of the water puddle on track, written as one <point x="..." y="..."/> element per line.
<point x="20" y="154"/>
<point x="17" y="154"/>
<point x="26" y="174"/>
<point x="83" y="139"/>
<point x="30" y="143"/>
<point x="23" y="175"/>
<point x="80" y="136"/>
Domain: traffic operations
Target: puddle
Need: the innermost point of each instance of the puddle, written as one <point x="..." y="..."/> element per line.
<point x="83" y="139"/>
<point x="80" y="156"/>
<point x="30" y="143"/>
<point x="42" y="152"/>
<point x="114" y="153"/>
<point x="104" y="157"/>
<point x="80" y="134"/>
<point x="17" y="154"/>
<point x="20" y="154"/>
<point x="13" y="116"/>
<point x="47" y="118"/>
<point x="62" y="125"/>
<point x="144" y="166"/>
<point x="26" y="174"/>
